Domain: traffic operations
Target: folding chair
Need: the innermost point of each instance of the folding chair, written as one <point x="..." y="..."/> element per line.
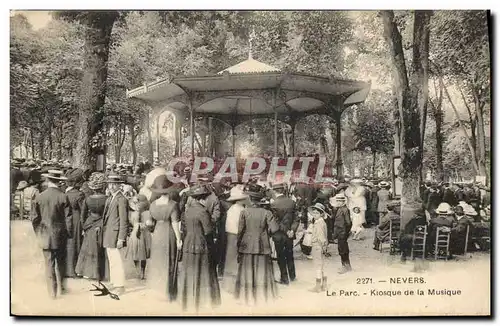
<point x="442" y="246"/>
<point x="418" y="247"/>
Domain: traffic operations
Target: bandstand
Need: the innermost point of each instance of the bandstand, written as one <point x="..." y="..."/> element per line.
<point x="250" y="90"/>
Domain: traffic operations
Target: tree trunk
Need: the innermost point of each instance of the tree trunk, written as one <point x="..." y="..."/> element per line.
<point x="439" y="144"/>
<point x="411" y="98"/>
<point x="481" y="143"/>
<point x="32" y="144"/>
<point x="49" y="134"/>
<point x="374" y="161"/>
<point x="464" y="130"/>
<point x="133" y="137"/>
<point x="98" y="25"/>
<point x="59" y="144"/>
<point x="437" y="113"/>
<point x="41" y="145"/>
<point x="150" y="139"/>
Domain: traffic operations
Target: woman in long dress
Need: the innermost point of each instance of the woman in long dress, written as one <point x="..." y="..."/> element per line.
<point x="238" y="198"/>
<point x="199" y="283"/>
<point x="255" y="281"/>
<point x="166" y="238"/>
<point x="139" y="241"/>
<point x="92" y="263"/>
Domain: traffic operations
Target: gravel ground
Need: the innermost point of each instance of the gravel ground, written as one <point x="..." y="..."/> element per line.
<point x="469" y="275"/>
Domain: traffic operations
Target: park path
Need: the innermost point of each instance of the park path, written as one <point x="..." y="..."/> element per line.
<point x="471" y="276"/>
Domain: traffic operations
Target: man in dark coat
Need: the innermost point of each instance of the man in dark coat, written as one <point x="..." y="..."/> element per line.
<point x="459" y="231"/>
<point x="285" y="214"/>
<point x="342" y="225"/>
<point x="52" y="223"/>
<point x="115" y="231"/>
<point x="406" y="236"/>
<point x="76" y="198"/>
<point x="433" y="200"/>
<point x="449" y="195"/>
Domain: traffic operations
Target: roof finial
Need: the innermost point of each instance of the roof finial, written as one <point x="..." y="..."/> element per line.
<point x="250" y="42"/>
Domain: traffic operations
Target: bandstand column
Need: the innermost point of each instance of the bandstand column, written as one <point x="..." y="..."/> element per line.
<point x="292" y="140"/>
<point x="158" y="136"/>
<point x="275" y="134"/>
<point x="337" y="116"/>
<point x="191" y="123"/>
<point x="233" y="139"/>
<point x="178" y="134"/>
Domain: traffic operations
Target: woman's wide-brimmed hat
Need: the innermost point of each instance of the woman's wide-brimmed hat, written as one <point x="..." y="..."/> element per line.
<point x="161" y="184"/>
<point x="54" y="175"/>
<point x="198" y="191"/>
<point x="138" y="203"/>
<point x="97" y="180"/>
<point x="74" y="175"/>
<point x="357" y="181"/>
<point x="237" y="193"/>
<point x="254" y="191"/>
<point x="317" y="207"/>
<point x="444" y="208"/>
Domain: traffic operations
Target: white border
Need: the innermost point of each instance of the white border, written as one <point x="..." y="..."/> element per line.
<point x="185" y="4"/>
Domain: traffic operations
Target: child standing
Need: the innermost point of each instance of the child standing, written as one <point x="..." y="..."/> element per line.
<point x="139" y="241"/>
<point x="316" y="215"/>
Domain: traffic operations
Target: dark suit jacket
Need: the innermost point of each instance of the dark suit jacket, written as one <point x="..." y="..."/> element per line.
<point x="115" y="220"/>
<point x="342" y="222"/>
<point x="449" y="197"/>
<point x="76" y="199"/>
<point x="199" y="229"/>
<point x="52" y="219"/>
<point x="284" y="213"/>
<point x="255" y="225"/>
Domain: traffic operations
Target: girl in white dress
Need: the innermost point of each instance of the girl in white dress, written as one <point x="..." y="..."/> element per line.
<point x="356" y="202"/>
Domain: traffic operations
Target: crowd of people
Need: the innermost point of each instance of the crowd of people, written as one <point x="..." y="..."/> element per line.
<point x="190" y="240"/>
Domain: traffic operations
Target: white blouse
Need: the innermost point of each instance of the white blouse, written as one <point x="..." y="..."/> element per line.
<point x="233" y="218"/>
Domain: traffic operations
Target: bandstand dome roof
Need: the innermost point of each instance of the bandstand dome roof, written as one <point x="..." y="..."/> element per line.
<point x="247" y="88"/>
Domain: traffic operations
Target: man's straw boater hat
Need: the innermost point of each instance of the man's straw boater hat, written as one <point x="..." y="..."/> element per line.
<point x="237" y="193"/>
<point x="54" y="175"/>
<point x="115" y="178"/>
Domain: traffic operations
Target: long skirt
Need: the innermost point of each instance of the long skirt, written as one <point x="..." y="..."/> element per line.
<point x="199" y="283"/>
<point x="255" y="281"/>
<point x="231" y="263"/>
<point x="92" y="262"/>
<point x="72" y="251"/>
<point x="160" y="269"/>
<point x="139" y="245"/>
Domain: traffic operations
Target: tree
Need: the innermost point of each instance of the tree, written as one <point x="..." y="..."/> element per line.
<point x="412" y="97"/>
<point x="374" y="133"/>
<point x="438" y="115"/>
<point x="461" y="56"/>
<point x="98" y="27"/>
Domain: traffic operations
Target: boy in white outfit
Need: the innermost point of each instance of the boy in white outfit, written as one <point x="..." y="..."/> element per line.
<point x="316" y="215"/>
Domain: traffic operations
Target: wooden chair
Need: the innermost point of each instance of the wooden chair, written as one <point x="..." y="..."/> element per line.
<point x="442" y="245"/>
<point x="393" y="237"/>
<point x="418" y="247"/>
<point x="394" y="231"/>
<point x="481" y="239"/>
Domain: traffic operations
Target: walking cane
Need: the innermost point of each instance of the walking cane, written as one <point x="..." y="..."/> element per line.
<point x="176" y="264"/>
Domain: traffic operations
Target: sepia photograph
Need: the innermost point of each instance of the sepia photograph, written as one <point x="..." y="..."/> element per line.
<point x="250" y="163"/>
